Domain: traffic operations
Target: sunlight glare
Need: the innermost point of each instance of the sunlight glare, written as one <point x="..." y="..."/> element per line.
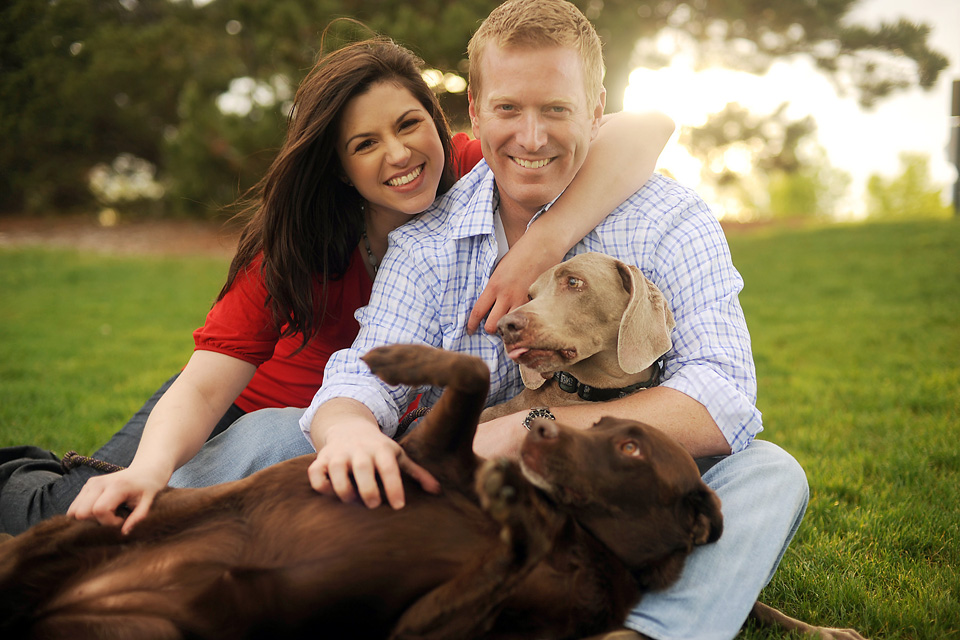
<point x="690" y="96"/>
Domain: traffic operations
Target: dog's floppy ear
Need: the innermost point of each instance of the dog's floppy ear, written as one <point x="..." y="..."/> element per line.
<point x="531" y="377"/>
<point x="707" y="516"/>
<point x="646" y="323"/>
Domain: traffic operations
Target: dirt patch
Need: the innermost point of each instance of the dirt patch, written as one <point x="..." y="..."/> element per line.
<point x="158" y="237"/>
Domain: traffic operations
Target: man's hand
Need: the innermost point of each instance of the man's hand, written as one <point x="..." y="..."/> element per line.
<point x="350" y="461"/>
<point x="500" y="437"/>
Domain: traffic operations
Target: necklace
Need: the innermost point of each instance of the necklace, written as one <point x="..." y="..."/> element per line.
<point x="370" y="257"/>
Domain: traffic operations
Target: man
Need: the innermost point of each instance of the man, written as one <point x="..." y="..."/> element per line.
<point x="536" y="100"/>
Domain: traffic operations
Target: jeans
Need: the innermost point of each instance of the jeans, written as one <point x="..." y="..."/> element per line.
<point x="34" y="486"/>
<point x="254" y="442"/>
<point x="763" y="492"/>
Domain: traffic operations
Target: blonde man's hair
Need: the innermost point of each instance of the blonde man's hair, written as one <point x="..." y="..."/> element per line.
<point x="540" y="23"/>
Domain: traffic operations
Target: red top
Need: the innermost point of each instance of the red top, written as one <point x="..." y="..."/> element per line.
<point x="467" y="152"/>
<point x="240" y="325"/>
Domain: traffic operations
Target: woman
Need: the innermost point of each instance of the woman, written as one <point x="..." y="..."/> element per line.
<point x="367" y="147"/>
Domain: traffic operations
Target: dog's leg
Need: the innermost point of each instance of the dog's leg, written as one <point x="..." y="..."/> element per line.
<point x="770" y="617"/>
<point x="142" y="627"/>
<point x="466" y="607"/>
<point x="449" y="427"/>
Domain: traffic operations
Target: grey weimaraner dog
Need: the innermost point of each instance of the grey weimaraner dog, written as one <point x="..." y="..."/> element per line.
<point x="594" y="329"/>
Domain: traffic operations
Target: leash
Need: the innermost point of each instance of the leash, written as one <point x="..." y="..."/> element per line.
<point x="72" y="460"/>
<point x="408" y="420"/>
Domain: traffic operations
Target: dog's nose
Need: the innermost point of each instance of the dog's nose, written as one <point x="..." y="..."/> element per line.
<point x="511" y="324"/>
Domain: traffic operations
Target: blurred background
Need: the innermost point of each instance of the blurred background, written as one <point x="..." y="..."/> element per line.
<point x="828" y="110"/>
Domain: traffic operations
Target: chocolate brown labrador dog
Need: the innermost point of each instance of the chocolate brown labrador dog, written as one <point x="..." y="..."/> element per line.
<point x="594" y="330"/>
<point x="558" y="545"/>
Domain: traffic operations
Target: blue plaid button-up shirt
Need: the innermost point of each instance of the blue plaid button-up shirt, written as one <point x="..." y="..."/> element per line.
<point x="437" y="266"/>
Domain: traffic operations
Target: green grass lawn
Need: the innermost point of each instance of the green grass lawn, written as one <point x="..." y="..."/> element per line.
<point x="85" y="339"/>
<point x="856" y="334"/>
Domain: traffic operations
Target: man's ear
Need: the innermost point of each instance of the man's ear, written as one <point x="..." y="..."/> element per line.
<point x="472" y="110"/>
<point x="598" y="111"/>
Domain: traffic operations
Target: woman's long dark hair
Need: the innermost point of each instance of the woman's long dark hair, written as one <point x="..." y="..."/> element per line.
<point x="303" y="218"/>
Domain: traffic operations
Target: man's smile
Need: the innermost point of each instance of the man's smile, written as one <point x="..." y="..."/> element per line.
<point x="532" y="164"/>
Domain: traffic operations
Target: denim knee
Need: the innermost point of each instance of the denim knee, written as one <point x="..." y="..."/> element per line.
<point x="763" y="491"/>
<point x="256" y="441"/>
<point x="782" y="470"/>
<point x="783" y="486"/>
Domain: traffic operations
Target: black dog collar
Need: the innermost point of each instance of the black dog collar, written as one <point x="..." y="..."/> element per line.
<point x="570" y="384"/>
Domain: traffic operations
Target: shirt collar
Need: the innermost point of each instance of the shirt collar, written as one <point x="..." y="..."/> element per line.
<point x="471" y="203"/>
<point x="471" y="210"/>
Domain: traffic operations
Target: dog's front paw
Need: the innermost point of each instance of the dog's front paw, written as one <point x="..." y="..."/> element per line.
<point x="527" y="523"/>
<point x="498" y="486"/>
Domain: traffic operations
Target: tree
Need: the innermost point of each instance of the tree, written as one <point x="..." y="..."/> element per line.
<point x="765" y="166"/>
<point x="739" y="34"/>
<point x="83" y="81"/>
<point x="749" y="35"/>
<point x="908" y="196"/>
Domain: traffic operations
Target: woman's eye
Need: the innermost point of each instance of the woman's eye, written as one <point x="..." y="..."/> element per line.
<point x="409" y="124"/>
<point x="366" y="144"/>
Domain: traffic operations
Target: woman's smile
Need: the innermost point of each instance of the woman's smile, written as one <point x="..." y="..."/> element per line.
<point x="406" y="179"/>
<point x="390" y="151"/>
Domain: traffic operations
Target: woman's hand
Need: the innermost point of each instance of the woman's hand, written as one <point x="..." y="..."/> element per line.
<point x="353" y="457"/>
<point x="176" y="429"/>
<point x="101" y="496"/>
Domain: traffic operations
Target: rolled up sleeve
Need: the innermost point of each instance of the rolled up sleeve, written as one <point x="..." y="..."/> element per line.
<point x="399" y="313"/>
<point x="711" y="360"/>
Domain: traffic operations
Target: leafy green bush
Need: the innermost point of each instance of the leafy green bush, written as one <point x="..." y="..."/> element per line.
<point x="909" y="196"/>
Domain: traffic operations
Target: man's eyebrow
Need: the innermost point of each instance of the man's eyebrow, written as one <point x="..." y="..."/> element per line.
<point x="366" y="134"/>
<point x="558" y="101"/>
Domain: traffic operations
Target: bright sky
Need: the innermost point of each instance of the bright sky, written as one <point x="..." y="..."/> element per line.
<point x="859" y="142"/>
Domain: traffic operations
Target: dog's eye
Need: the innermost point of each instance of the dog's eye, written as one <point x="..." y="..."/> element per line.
<point x="630" y="448"/>
<point x="574" y="283"/>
